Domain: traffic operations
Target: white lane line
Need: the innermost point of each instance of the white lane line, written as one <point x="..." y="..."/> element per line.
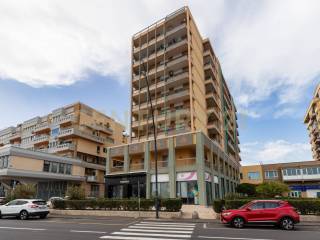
<point x="136" y="238"/>
<point x="156" y="225"/>
<point x="171" y="223"/>
<point x="163" y="228"/>
<point x="152" y="230"/>
<point x="80" y="231"/>
<point x="30" y="229"/>
<point x="233" y="238"/>
<point x="152" y="234"/>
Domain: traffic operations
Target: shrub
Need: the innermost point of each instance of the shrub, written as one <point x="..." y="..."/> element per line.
<point x="235" y="204"/>
<point x="59" y="204"/>
<point x="272" y="189"/>
<point x="246" y="189"/>
<point x="25" y="191"/>
<point x="171" y="205"/>
<point x="306" y="206"/>
<point x="218" y="205"/>
<point x="76" y="193"/>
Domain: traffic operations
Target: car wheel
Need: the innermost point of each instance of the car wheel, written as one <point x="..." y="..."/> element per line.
<point x="23" y="215"/>
<point x="0" y="215"/>
<point x="43" y="216"/>
<point x="238" y="222"/>
<point x="287" y="223"/>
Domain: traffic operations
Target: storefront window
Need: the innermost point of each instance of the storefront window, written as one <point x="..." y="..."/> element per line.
<point x="209" y="193"/>
<point x="188" y="192"/>
<point x="163" y="189"/>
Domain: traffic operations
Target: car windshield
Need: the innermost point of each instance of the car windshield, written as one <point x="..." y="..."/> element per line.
<point x="245" y="205"/>
<point x="39" y="202"/>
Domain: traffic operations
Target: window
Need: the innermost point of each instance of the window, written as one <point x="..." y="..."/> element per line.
<point x="54" y="167"/>
<point x="163" y="189"/>
<point x="271" y="204"/>
<point x="55" y="132"/>
<point x="241" y="176"/>
<point x="46" y="166"/>
<point x="271" y="174"/>
<point x="68" y="169"/>
<point x="258" y="205"/>
<point x="61" y="168"/>
<point x="295" y="194"/>
<point x="254" y="175"/>
<point x="98" y="149"/>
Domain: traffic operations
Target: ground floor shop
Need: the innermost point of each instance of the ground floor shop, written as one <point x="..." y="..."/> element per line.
<point x="305" y="190"/>
<point x="184" y="186"/>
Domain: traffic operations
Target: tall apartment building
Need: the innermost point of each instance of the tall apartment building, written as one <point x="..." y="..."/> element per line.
<point x="303" y="178"/>
<point x="312" y="120"/>
<point x="187" y="87"/>
<point x="76" y="131"/>
<point x="195" y="118"/>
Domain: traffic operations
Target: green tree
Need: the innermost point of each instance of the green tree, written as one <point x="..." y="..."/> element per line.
<point x="272" y="189"/>
<point x="25" y="191"/>
<point x="76" y="193"/>
<point x="246" y="189"/>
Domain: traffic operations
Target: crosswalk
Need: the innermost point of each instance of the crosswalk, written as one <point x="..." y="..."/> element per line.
<point x="152" y="230"/>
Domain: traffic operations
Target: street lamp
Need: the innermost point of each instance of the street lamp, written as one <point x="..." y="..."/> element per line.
<point x="155" y="142"/>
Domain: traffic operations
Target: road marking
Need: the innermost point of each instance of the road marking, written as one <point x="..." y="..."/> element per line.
<point x="136" y="238"/>
<point x="163" y="228"/>
<point x="30" y="229"/>
<point x="153" y="230"/>
<point x="170" y="223"/>
<point x="233" y="238"/>
<point x="79" y="231"/>
<point x="151" y="234"/>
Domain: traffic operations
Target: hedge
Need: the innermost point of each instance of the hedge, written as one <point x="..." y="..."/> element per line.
<point x="170" y="205"/>
<point x="304" y="206"/>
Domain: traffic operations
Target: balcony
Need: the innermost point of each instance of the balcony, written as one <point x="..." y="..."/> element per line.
<point x="186" y="162"/>
<point x="136" y="166"/>
<point x="92" y="179"/>
<point x="101" y="128"/>
<point x="161" y="164"/>
<point x="15" y="136"/>
<point x="160" y="38"/>
<point x="62" y="147"/>
<point x="66" y="119"/>
<point x="176" y="79"/>
<point x="41" y="127"/>
<point x="170" y="64"/>
<point x="76" y="132"/>
<point x="40" y="139"/>
<point x="175" y="95"/>
<point x="301" y="175"/>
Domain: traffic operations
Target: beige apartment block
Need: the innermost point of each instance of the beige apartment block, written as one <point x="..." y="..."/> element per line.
<point x="75" y="131"/>
<point x="303" y="178"/>
<point x="195" y="118"/>
<point x="312" y="120"/>
<point x="187" y="87"/>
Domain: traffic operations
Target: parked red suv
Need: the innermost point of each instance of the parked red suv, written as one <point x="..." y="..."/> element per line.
<point x="276" y="212"/>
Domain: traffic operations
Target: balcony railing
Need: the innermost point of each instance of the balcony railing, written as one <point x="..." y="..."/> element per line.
<point x="102" y="128"/>
<point x="40" y="139"/>
<point x="80" y="133"/>
<point x="136" y="166"/>
<point x="41" y="127"/>
<point x="116" y="169"/>
<point x="185" y="162"/>
<point x="92" y="179"/>
<point x="161" y="164"/>
<point x="65" y="119"/>
<point x="62" y="147"/>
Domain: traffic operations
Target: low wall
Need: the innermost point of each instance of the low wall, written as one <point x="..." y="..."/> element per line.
<point x="103" y="213"/>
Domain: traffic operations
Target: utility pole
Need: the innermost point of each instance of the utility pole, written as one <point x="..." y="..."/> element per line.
<point x="155" y="142"/>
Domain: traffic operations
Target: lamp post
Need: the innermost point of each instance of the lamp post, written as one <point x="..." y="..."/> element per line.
<point x="155" y="142"/>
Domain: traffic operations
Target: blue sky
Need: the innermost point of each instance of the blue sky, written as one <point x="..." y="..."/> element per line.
<point x="55" y="53"/>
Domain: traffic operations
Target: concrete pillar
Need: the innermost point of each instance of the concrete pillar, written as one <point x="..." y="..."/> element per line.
<point x="212" y="174"/>
<point x="201" y="169"/>
<point x="172" y="168"/>
<point x="219" y="176"/>
<point x="147" y="169"/>
<point x="126" y="159"/>
<point x="108" y="161"/>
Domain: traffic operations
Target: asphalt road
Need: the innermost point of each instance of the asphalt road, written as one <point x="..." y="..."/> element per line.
<point x="85" y="228"/>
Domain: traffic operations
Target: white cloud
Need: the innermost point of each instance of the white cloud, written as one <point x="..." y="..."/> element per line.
<point x="265" y="47"/>
<point x="275" y="152"/>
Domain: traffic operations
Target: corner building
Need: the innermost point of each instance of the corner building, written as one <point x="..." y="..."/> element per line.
<point x="48" y="150"/>
<point x="195" y="118"/>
